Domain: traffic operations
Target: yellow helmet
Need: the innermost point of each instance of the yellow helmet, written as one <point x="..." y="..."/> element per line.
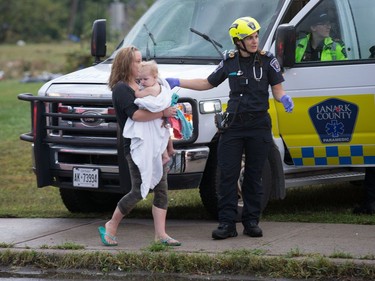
<point x="243" y="27"/>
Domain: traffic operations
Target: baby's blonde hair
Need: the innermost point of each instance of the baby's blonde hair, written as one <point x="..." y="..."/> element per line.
<point x="151" y="66"/>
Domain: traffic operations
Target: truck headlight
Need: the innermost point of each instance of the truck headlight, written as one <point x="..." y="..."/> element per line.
<point x="209" y="106"/>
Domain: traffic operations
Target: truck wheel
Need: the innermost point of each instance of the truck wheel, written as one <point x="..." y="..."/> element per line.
<point x="210" y="181"/>
<point x="207" y="187"/>
<point x="83" y="201"/>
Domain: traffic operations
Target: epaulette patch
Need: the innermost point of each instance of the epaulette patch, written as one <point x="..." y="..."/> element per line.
<point x="266" y="53"/>
<point x="229" y="54"/>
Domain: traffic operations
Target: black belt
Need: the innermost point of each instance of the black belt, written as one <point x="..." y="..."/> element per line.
<point x="245" y="116"/>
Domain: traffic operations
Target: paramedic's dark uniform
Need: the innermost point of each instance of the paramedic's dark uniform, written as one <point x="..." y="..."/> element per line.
<point x="249" y="132"/>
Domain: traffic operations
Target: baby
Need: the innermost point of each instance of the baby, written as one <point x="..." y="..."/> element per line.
<point x="149" y="85"/>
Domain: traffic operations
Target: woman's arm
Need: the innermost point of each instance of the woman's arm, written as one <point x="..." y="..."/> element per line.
<point x="278" y="91"/>
<point x="142" y="115"/>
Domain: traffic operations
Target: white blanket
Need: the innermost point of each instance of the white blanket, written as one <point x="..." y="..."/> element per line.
<point x="149" y="139"/>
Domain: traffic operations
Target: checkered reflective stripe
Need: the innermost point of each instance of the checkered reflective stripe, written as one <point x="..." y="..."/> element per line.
<point x="333" y="155"/>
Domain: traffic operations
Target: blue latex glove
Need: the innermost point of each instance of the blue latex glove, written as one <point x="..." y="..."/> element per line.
<point x="173" y="82"/>
<point x="287" y="103"/>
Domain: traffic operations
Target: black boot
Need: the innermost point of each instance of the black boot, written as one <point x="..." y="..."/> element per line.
<point x="252" y="229"/>
<point x="224" y="231"/>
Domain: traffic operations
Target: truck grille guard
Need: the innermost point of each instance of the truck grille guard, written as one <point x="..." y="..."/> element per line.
<point x="78" y="129"/>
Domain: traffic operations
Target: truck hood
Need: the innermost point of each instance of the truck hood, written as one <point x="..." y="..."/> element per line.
<point x="100" y="73"/>
<point x="97" y="74"/>
<point x="93" y="81"/>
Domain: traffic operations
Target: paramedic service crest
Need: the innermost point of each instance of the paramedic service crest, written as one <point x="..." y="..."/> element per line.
<point x="334" y="120"/>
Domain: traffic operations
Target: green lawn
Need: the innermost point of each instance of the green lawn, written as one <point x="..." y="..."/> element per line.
<point x="19" y="196"/>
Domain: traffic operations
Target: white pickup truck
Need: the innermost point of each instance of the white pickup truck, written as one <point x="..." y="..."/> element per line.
<point x="329" y="137"/>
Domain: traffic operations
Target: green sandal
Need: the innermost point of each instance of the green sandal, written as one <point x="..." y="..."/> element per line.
<point x="103" y="234"/>
<point x="168" y="242"/>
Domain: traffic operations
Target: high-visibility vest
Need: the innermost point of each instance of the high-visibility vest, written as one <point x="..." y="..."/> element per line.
<point x="331" y="50"/>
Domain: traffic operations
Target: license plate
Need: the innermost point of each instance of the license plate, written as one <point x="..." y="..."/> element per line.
<point x="86" y="177"/>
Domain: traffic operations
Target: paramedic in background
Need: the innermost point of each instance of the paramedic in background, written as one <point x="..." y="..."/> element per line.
<point x="317" y="45"/>
<point x="250" y="72"/>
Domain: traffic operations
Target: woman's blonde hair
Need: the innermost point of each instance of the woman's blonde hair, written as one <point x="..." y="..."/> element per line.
<point x="122" y="66"/>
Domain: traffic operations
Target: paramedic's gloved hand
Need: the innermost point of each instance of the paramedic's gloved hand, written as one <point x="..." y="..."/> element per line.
<point x="173" y="82"/>
<point x="287" y="103"/>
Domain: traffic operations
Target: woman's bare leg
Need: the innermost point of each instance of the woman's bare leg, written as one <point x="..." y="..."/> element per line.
<point x="159" y="216"/>
<point x="112" y="225"/>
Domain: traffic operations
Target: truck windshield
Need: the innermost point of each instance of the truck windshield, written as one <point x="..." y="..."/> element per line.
<point x="164" y="30"/>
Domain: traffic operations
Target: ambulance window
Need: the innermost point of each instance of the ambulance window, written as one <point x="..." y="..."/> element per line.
<point x="294" y="8"/>
<point x="363" y="13"/>
<point x="346" y="28"/>
<point x="319" y="35"/>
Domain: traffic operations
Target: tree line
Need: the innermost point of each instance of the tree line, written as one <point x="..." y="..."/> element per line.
<point x="50" y="20"/>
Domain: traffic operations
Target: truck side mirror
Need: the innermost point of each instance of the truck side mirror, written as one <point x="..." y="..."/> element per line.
<point x="372" y="52"/>
<point x="286" y="45"/>
<point x="98" y="40"/>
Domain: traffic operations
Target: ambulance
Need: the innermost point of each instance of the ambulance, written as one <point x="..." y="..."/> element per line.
<point x="329" y="137"/>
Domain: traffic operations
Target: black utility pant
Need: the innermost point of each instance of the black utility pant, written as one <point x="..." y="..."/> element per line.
<point x="251" y="136"/>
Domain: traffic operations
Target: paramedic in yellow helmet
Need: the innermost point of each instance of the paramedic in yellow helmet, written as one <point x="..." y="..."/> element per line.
<point x="247" y="123"/>
<point x="317" y="45"/>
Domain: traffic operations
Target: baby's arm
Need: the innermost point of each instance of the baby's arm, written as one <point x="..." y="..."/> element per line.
<point x="149" y="91"/>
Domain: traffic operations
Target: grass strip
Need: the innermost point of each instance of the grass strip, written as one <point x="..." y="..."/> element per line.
<point x="234" y="263"/>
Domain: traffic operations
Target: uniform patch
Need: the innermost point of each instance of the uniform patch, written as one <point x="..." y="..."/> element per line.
<point x="275" y="65"/>
<point x="220" y="66"/>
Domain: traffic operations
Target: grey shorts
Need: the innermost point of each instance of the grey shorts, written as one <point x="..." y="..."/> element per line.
<point x="128" y="202"/>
